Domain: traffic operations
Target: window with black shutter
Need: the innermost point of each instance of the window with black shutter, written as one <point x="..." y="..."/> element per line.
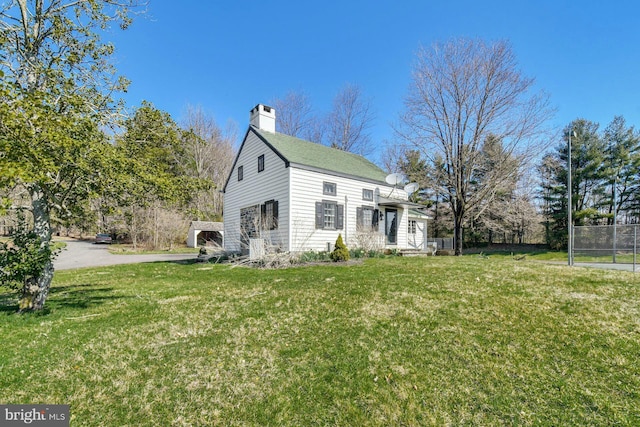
<point x="329" y="215"/>
<point x="269" y="214"/>
<point x="365" y="218"/>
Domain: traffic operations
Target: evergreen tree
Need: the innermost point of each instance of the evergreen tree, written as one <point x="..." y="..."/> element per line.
<point x="598" y="162"/>
<point x="620" y="168"/>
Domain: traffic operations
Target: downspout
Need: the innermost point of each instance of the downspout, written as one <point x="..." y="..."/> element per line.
<point x="426" y="235"/>
<point x="346" y="216"/>
<point x="290" y="212"/>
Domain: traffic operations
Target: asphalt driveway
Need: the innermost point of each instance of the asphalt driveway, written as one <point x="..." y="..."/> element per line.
<point x="80" y="254"/>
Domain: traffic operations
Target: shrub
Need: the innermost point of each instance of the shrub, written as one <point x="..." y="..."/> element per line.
<point x="340" y="253"/>
<point x="22" y="260"/>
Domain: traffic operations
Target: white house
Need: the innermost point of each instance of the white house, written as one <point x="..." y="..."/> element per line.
<point x="298" y="196"/>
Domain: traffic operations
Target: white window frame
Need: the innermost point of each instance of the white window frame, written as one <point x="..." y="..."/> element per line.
<point x="412" y="226"/>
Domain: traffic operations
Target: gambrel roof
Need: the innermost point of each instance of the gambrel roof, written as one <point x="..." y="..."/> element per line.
<point x="296" y="152"/>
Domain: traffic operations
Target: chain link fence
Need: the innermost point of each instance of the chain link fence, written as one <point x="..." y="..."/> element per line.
<point x="606" y="243"/>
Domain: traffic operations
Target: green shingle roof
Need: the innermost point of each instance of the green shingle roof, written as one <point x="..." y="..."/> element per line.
<point x="316" y="156"/>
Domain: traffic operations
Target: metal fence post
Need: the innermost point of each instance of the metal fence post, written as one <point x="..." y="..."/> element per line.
<point x="635" y="246"/>
<point x="573" y="242"/>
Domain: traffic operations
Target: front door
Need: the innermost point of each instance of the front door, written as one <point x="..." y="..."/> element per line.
<point x="391" y="226"/>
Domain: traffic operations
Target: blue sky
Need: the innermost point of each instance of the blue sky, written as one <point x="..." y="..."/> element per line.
<point x="228" y="56"/>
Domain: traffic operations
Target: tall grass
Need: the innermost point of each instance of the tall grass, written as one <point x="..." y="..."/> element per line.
<point x="419" y="341"/>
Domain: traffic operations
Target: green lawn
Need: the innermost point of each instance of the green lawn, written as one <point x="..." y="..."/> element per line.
<point x="396" y="341"/>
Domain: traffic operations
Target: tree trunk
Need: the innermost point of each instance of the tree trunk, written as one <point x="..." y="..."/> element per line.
<point x="156" y="238"/>
<point x="458" y="214"/>
<point x="133" y="228"/>
<point x="35" y="294"/>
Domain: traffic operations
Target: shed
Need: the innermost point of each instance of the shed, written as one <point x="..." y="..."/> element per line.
<point x="205" y="233"/>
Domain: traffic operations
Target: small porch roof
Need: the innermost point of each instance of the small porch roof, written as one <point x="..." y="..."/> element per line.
<point x="415" y="213"/>
<point x="399" y="203"/>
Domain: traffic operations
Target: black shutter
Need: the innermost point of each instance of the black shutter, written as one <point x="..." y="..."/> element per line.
<point x="274" y="224"/>
<point x="319" y="215"/>
<point x="376" y="219"/>
<point x="263" y="216"/>
<point x="339" y="216"/>
<point x="359" y="218"/>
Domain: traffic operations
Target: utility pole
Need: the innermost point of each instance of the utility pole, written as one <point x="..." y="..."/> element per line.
<point x="569" y="202"/>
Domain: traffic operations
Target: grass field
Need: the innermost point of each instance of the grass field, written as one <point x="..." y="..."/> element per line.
<point x="468" y="340"/>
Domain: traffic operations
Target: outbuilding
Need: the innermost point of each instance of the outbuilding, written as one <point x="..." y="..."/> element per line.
<point x="205" y="233"/>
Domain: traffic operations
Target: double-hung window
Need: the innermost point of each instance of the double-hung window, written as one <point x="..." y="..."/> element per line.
<point x="329" y="210"/>
<point x="329" y="215"/>
<point x="366" y="218"/>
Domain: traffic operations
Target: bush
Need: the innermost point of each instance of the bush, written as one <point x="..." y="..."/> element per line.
<point x="22" y="260"/>
<point x="340" y="253"/>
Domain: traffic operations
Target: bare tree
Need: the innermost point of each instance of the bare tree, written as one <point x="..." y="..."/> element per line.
<point x="295" y="114"/>
<point x="171" y="227"/>
<point x="511" y="216"/>
<point x="209" y="156"/>
<point x="349" y="122"/>
<point x="462" y="92"/>
<point x="393" y="156"/>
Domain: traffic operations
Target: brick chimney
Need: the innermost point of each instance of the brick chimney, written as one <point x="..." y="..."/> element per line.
<point x="263" y="118"/>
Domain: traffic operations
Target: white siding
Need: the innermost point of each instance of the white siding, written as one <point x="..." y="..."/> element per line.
<point x="255" y="189"/>
<point x="417" y="240"/>
<point x="403" y="223"/>
<point x="192" y="238"/>
<point x="307" y="189"/>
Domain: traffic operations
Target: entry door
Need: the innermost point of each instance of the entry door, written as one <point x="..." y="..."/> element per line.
<point x="391" y="226"/>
